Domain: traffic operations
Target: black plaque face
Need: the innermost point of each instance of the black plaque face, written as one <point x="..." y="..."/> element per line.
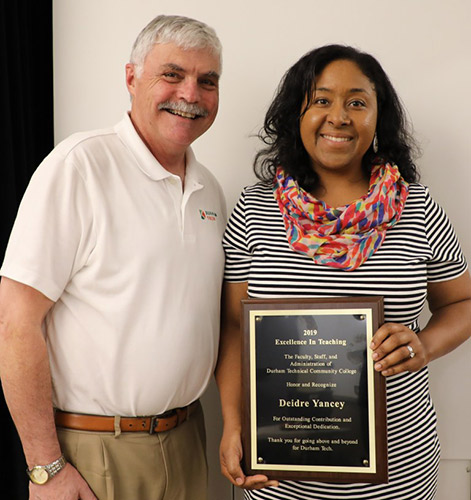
<point x="315" y="407"/>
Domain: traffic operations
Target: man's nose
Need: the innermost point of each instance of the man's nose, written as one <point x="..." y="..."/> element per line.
<point x="189" y="90"/>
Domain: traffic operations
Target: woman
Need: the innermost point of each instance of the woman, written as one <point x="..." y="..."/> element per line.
<point x="339" y="212"/>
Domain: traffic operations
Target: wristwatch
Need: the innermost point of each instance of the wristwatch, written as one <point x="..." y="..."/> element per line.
<point x="40" y="474"/>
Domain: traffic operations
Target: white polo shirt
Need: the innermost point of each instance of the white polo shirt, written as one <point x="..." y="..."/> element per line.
<point x="134" y="267"/>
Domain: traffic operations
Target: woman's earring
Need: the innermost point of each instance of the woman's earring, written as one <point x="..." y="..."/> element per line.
<point x="375" y="143"/>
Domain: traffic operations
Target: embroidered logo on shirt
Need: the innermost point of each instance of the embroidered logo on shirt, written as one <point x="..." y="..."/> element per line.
<point x="208" y="215"/>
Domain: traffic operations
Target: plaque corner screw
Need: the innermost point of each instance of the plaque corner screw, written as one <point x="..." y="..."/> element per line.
<point x="366" y="463"/>
<point x="260" y="460"/>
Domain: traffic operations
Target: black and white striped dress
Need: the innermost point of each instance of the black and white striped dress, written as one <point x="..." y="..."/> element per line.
<point x="421" y="248"/>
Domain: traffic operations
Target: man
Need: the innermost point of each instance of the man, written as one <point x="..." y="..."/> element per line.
<point x="109" y="302"/>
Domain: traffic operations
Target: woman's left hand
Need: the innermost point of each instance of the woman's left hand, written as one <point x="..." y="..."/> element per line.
<point x="397" y="349"/>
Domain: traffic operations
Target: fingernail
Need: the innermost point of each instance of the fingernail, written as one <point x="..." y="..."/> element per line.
<point x="378" y="366"/>
<point x="375" y="355"/>
<point x="239" y="480"/>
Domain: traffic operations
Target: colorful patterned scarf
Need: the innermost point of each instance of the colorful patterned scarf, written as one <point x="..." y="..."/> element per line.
<point x="347" y="236"/>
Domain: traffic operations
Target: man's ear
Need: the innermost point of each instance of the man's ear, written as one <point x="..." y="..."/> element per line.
<point x="131" y="77"/>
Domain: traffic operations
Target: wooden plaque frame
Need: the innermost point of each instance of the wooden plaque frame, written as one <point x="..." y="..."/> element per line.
<point x="294" y="444"/>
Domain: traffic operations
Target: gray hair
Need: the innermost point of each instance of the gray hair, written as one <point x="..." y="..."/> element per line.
<point x="184" y="32"/>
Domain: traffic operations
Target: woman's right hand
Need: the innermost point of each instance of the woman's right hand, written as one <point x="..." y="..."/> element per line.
<point x="230" y="454"/>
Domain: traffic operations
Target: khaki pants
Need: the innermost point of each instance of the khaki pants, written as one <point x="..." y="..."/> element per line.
<point x="138" y="466"/>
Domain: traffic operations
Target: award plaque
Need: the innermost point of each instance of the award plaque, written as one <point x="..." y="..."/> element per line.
<point x="314" y="407"/>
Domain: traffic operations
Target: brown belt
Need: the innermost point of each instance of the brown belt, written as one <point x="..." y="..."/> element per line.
<point x="152" y="424"/>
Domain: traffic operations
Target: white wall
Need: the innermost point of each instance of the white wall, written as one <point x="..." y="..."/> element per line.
<point x="424" y="46"/>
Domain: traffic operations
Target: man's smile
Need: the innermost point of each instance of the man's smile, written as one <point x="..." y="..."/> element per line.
<point x="183" y="109"/>
<point x="181" y="113"/>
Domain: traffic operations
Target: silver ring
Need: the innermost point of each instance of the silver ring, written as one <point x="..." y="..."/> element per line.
<point x="411" y="351"/>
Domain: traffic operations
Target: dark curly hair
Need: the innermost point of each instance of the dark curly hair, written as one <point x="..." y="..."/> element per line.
<point x="281" y="130"/>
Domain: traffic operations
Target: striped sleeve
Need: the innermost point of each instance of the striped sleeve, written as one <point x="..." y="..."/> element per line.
<point x="238" y="255"/>
<point x="448" y="261"/>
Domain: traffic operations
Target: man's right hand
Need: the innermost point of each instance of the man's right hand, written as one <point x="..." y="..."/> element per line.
<point x="68" y="484"/>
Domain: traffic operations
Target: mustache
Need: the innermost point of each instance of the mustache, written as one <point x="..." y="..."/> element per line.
<point x="184" y="107"/>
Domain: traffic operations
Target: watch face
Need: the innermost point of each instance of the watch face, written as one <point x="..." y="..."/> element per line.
<point x="39" y="475"/>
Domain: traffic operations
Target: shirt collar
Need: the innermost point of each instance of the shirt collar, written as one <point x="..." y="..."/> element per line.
<point x="146" y="161"/>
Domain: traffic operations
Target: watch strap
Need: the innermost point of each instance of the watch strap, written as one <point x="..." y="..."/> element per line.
<point x="52" y="469"/>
